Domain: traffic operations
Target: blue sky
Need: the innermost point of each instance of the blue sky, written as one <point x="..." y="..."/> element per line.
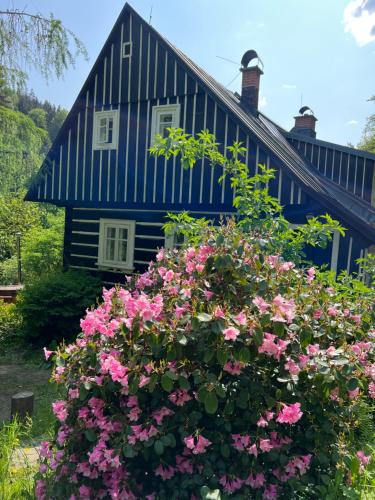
<point x="324" y="50"/>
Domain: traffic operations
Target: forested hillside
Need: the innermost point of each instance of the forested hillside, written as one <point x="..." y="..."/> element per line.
<point x="27" y="129"/>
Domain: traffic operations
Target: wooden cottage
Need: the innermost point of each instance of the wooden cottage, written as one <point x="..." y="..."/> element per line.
<point x="116" y="196"/>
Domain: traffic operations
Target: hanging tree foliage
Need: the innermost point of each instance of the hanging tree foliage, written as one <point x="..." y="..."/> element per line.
<point x="31" y="40"/>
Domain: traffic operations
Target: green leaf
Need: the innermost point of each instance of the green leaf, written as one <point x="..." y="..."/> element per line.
<point x="208" y="355"/>
<point x="181" y="339"/>
<point x="352" y="384"/>
<point x="225" y="450"/>
<point x="204" y="317"/>
<point x="183" y="383"/>
<point x="90" y="435"/>
<point x="222" y="356"/>
<point x="258" y="337"/>
<point x="159" y="447"/>
<point x="305" y="336"/>
<point x="202" y="393"/>
<point x="166" y="383"/>
<point x="171" y="375"/>
<point x="211" y="402"/>
<point x="128" y="451"/>
<point x="244" y="355"/>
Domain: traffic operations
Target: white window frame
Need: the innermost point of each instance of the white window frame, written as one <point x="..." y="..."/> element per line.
<point x="118" y="224"/>
<point x="124" y="45"/>
<point x="99" y="115"/>
<point x="158" y="111"/>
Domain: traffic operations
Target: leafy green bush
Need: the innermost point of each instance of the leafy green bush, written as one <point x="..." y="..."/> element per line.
<point x="52" y="305"/>
<point x="9" y="324"/>
<point x="9" y="271"/>
<point x="42" y="248"/>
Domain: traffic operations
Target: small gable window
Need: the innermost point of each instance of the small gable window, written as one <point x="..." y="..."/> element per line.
<point x="164" y="117"/>
<point x="116" y="243"/>
<point x="126" y="49"/>
<point x="105" y="132"/>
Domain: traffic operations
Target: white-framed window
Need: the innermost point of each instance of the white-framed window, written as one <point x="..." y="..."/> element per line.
<point x="105" y="130"/>
<point x="126" y="50"/>
<point x="164" y="117"/>
<point x="116" y="243"/>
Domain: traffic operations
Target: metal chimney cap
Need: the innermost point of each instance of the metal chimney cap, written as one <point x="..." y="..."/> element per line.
<point x="305" y="110"/>
<point x="250" y="55"/>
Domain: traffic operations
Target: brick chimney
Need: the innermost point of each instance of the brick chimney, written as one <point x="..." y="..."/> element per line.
<point x="250" y="80"/>
<point x="305" y="122"/>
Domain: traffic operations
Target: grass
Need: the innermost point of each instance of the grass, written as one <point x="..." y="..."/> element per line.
<point x="16" y="483"/>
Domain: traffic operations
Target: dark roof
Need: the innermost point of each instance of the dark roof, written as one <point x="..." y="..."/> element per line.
<point x="330" y="145"/>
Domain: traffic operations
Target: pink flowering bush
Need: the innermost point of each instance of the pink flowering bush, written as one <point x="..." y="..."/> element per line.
<point x="220" y="370"/>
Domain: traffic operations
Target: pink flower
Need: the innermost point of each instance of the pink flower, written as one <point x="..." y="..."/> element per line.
<point x="241" y="318"/>
<point x="290" y="414"/>
<point x="356" y="318"/>
<point x="262" y="422"/>
<point x="199" y="267"/>
<point x="261" y="304"/>
<point x="284" y="310"/>
<point x="40" y="490"/>
<point x="317" y="313"/>
<point x="332" y="311"/>
<point x="255" y="482"/>
<point x="179" y="397"/>
<point x="47" y="353"/>
<point x="143" y="381"/>
<point x="365" y="459"/>
<point x="158" y="415"/>
<point x="233" y="367"/>
<point x="270" y="492"/>
<point x="331" y="351"/>
<point x="265" y="445"/>
<point x="313" y="349"/>
<point x="271" y="347"/>
<point x="310" y="274"/>
<point x="218" y="312"/>
<point x="165" y="472"/>
<point x="168" y="276"/>
<point x="292" y="367"/>
<point x="208" y="294"/>
<point x="198" y="447"/>
<point x="353" y="394"/>
<point x="371" y="390"/>
<point x="60" y="410"/>
<point x="73" y="393"/>
<point x="231" y="333"/>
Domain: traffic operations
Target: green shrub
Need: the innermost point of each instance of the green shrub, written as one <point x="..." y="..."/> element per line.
<point x="9" y="323"/>
<point x="9" y="271"/>
<point x="42" y="248"/>
<point x="52" y="305"/>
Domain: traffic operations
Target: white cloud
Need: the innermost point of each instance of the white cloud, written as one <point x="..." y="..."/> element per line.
<point x="289" y="86"/>
<point x="262" y="101"/>
<point x="352" y="122"/>
<point x="359" y="20"/>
